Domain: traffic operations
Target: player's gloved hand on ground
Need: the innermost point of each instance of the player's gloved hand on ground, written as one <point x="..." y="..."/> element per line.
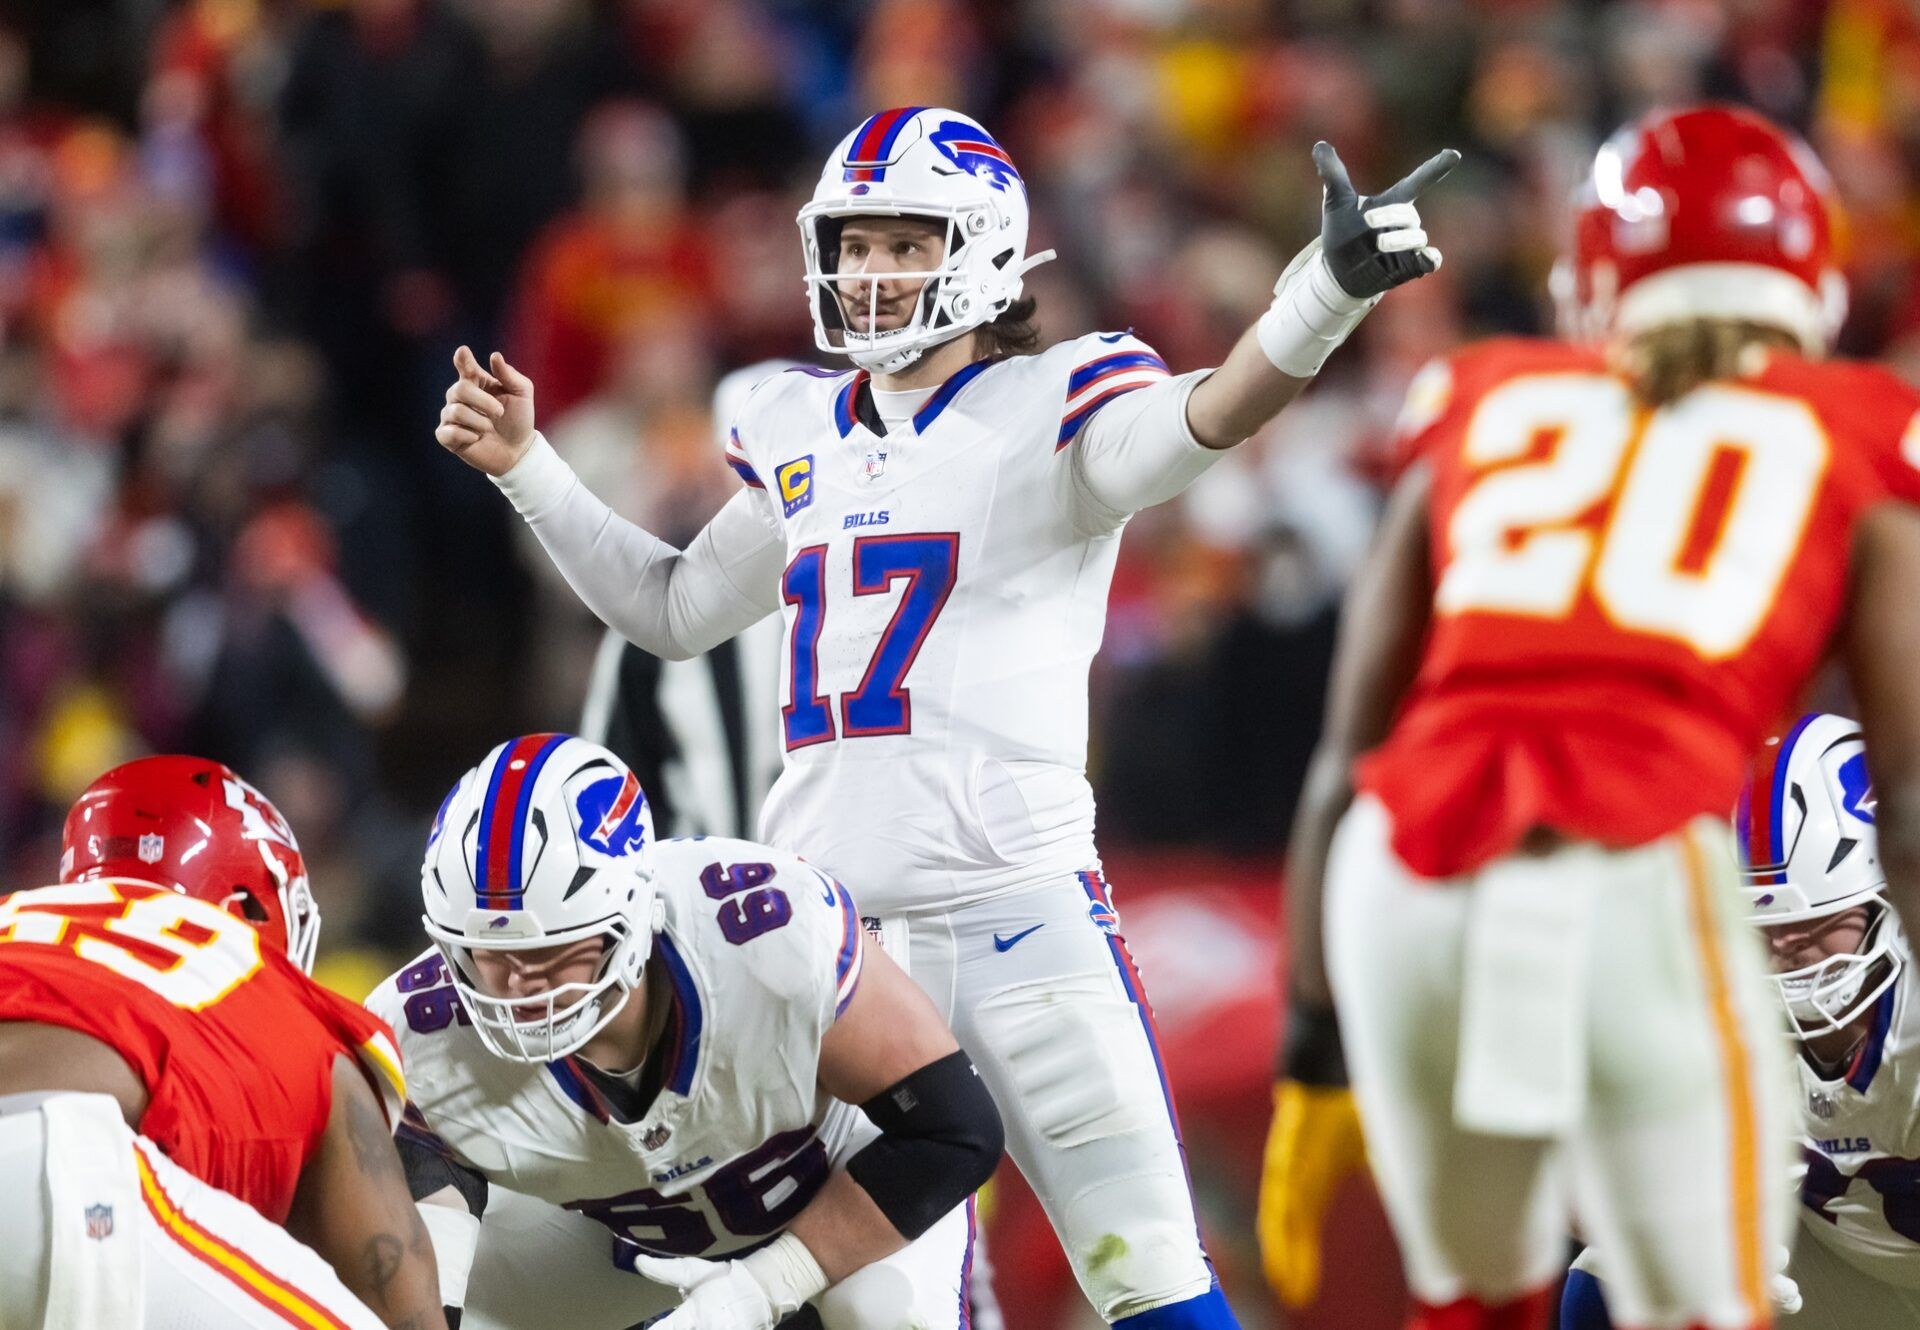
<point x="488" y="419"/>
<point x="1781" y="1290"/>
<point x="1368" y="244"/>
<point x="753" y="1293"/>
<point x="1314" y="1143"/>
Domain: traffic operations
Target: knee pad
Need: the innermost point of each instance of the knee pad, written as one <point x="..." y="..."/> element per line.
<point x="1136" y="1250"/>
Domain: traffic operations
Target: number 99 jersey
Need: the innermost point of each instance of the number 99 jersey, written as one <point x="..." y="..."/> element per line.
<point x="756" y="956"/>
<point x="235" y="1045"/>
<point x="1624" y="599"/>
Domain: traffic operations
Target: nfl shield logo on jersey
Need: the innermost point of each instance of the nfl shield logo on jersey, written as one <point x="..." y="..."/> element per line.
<point x="99" y="1222"/>
<point x="656" y="1136"/>
<point x="152" y="848"/>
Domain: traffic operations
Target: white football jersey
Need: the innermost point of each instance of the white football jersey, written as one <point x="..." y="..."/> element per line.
<point x="1861" y="1195"/>
<point x="761" y="953"/>
<point x="945" y="590"/>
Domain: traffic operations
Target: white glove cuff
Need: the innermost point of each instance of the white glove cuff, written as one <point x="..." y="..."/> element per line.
<point x="537" y="481"/>
<point x="787" y="1271"/>
<point x="1309" y="318"/>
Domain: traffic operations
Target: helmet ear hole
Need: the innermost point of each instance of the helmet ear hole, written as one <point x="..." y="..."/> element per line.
<point x="250" y="907"/>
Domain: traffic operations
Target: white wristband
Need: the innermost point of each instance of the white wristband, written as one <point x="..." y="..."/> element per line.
<point x="788" y="1272"/>
<point x="1310" y="316"/>
<point x="536" y="482"/>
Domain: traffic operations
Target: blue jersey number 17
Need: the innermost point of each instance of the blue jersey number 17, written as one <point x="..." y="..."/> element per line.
<point x="881" y="704"/>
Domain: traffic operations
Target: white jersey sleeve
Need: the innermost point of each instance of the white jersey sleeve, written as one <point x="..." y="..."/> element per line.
<point x="672" y="603"/>
<point x="1126" y="422"/>
<point x="1861" y="1142"/>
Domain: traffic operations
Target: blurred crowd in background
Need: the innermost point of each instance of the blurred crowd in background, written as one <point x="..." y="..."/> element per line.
<point x="239" y="240"/>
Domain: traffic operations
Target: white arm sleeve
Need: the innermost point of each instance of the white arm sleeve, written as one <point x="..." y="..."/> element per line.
<point x="675" y="604"/>
<point x="1136" y="451"/>
<point x="455" y="1233"/>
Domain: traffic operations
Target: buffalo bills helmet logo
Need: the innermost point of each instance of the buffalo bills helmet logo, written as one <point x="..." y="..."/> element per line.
<point x="973" y="150"/>
<point x="612" y="815"/>
<point x="1856" y="792"/>
<point x="440" y="817"/>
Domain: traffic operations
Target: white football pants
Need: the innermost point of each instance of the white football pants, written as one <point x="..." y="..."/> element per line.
<point x="1042" y="993"/>
<point x="538" y="1265"/>
<point x="1582" y="1035"/>
<point x="98" y="1229"/>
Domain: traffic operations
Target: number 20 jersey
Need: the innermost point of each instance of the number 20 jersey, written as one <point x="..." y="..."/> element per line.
<point x="1624" y="600"/>
<point x="944" y="596"/>
<point x="759" y="954"/>
<point x="234" y="1045"/>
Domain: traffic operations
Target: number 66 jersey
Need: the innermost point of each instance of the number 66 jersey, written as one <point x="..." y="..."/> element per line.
<point x="725" y="1134"/>
<point x="1624" y="598"/>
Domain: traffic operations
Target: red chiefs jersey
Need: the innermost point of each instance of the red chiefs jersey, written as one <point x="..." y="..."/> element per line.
<point x="235" y="1045"/>
<point x="1624" y="600"/>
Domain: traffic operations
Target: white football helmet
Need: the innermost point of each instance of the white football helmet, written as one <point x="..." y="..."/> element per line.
<point x="1805" y="825"/>
<point x="919" y="161"/>
<point x="548" y="841"/>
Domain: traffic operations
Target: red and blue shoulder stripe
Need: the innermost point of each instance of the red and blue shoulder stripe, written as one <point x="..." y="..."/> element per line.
<point x="1098" y="380"/>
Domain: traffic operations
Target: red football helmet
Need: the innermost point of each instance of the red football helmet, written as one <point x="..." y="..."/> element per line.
<point x="1707" y="212"/>
<point x="193" y="825"/>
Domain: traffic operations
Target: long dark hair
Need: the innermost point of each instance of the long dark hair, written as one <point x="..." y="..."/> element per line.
<point x="1013" y="333"/>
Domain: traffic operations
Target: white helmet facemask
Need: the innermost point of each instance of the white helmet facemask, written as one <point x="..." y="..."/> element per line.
<point x="1805" y="827"/>
<point x="544" y="1027"/>
<point x="1828" y="994"/>
<point x="548" y="842"/>
<point x="924" y="163"/>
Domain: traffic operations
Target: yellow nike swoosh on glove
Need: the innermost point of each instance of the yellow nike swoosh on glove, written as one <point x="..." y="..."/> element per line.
<point x="1314" y="1143"/>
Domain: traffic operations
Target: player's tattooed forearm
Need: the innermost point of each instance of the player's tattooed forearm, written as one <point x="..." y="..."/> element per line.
<point x="382" y="1258"/>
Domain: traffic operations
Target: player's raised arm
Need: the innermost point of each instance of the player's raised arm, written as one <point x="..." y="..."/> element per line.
<point x="1146" y="447"/>
<point x="672" y="603"/>
<point x="353" y="1208"/>
<point x="940" y="1140"/>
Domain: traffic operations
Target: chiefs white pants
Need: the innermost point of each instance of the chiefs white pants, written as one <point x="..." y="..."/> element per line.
<point x="538" y="1265"/>
<point x="1042" y="992"/>
<point x="99" y="1229"/>
<point x="1582" y="1035"/>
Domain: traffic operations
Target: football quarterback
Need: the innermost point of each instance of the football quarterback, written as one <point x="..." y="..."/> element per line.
<point x="938" y="526"/>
